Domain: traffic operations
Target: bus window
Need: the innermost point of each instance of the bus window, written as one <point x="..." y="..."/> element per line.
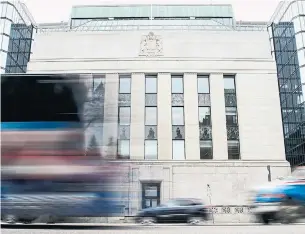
<point x="42" y="115"/>
<point x="31" y="98"/>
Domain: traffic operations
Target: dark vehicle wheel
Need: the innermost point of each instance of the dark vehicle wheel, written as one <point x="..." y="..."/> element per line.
<point x="148" y="220"/>
<point x="27" y="221"/>
<point x="266" y="218"/>
<point x="288" y="212"/>
<point x="51" y="219"/>
<point x="194" y="220"/>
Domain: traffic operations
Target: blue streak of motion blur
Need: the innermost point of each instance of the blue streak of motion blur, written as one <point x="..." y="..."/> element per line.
<point x="44" y="167"/>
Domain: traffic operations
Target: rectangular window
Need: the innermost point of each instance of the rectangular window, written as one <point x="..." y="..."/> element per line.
<point x="151" y="84"/>
<point x="177" y="84"/>
<point x="151" y="99"/>
<point x="124" y="132"/>
<point x="151" y="149"/>
<point x="151" y="116"/>
<point x="151" y="121"/>
<point x="203" y="84"/>
<point x="178" y="150"/>
<point x="231" y="118"/>
<point x="233" y="149"/>
<point x="98" y="80"/>
<point x="124" y="115"/>
<point x="204" y="116"/>
<point x="229" y="84"/>
<point x="151" y="132"/>
<point x="125" y="84"/>
<point x="124" y="149"/>
<point x="178" y="136"/>
<point x="206" y="149"/>
<point x="177" y="115"/>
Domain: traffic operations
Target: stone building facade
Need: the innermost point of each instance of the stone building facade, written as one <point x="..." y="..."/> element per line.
<point x="192" y="114"/>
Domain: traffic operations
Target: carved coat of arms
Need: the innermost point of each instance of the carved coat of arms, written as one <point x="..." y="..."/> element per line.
<point x="151" y="45"/>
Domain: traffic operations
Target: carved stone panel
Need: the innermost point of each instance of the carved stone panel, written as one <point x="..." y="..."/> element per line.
<point x="232" y="133"/>
<point x="124" y="99"/>
<point x="151" y="132"/>
<point x="178" y="132"/>
<point x="205" y="132"/>
<point x="151" y="100"/>
<point x="151" y="45"/>
<point x="230" y="99"/>
<point x="204" y="99"/>
<point x="230" y="209"/>
<point x="177" y="99"/>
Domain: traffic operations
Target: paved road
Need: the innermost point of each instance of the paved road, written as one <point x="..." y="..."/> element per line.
<point x="133" y="229"/>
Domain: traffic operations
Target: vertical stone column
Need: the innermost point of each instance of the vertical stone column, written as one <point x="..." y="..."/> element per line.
<point x="137" y="116"/>
<point x="218" y="115"/>
<point x="110" y="125"/>
<point x="259" y="117"/>
<point x="192" y="150"/>
<point x="164" y="117"/>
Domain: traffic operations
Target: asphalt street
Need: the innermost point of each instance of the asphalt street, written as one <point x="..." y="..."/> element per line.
<point x="168" y="229"/>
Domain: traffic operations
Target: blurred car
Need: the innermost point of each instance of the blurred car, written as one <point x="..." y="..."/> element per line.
<point x="192" y="211"/>
<point x="282" y="200"/>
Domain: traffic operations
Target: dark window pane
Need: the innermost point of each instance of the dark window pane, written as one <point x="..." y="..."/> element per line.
<point x="233" y="150"/>
<point x="204" y="116"/>
<point x="230" y="99"/>
<point x="232" y="133"/>
<point x="205" y="132"/>
<point x="37" y="98"/>
<point x="231" y="116"/>
<point x="206" y="150"/>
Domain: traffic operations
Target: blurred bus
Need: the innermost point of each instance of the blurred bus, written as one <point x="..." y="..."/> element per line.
<point x="45" y="169"/>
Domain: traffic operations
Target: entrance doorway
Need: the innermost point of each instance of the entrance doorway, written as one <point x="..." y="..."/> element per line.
<point x="150" y="195"/>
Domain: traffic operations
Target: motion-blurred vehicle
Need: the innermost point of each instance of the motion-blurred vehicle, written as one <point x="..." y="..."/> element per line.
<point x="73" y="188"/>
<point x="45" y="170"/>
<point x="192" y="211"/>
<point x="282" y="200"/>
